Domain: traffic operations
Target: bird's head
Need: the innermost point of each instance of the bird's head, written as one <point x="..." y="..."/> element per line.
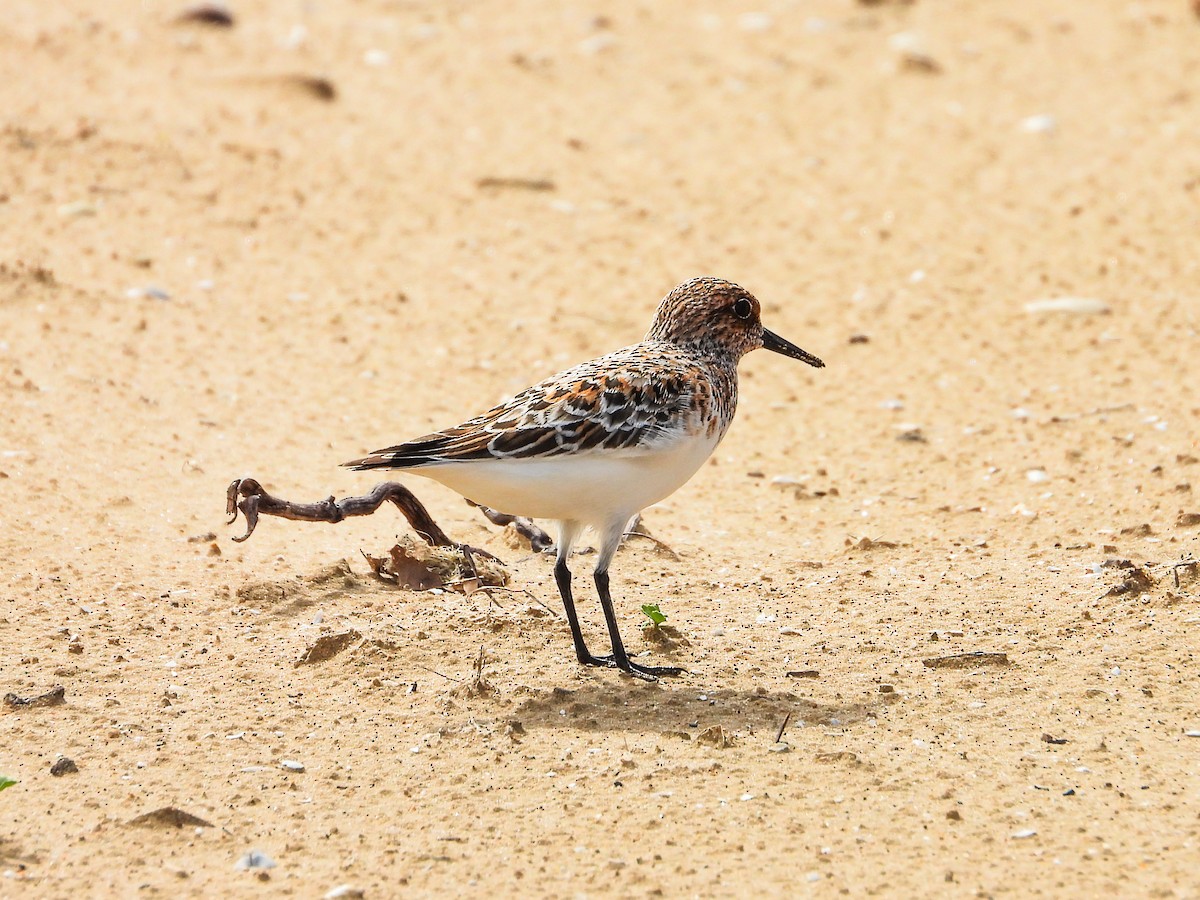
<point x="720" y="317"/>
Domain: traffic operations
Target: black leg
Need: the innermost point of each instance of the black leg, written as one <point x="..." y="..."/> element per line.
<point x="619" y="657"/>
<point x="562" y="575"/>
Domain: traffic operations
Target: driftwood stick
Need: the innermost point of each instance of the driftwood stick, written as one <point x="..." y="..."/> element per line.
<point x="249" y="497"/>
<point x="255" y="501"/>
<point x="537" y="538"/>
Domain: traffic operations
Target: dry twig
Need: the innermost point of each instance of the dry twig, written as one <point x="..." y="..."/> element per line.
<point x="436" y="672"/>
<point x="783" y="727"/>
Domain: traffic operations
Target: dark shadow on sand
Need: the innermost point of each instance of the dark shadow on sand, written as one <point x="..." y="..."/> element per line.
<point x="676" y="709"/>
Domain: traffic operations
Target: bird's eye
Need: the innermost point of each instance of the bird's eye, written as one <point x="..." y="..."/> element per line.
<point x="742" y="309"/>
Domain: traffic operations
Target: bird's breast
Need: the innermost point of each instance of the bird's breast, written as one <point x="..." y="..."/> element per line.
<point x="594" y="488"/>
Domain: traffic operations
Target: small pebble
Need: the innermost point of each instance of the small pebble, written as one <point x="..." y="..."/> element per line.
<point x="1024" y="833"/>
<point x="780" y="747"/>
<point x="214" y="14"/>
<point x="344" y="891"/>
<point x="1037" y="476"/>
<point x="292" y="766"/>
<point x="63" y="766"/>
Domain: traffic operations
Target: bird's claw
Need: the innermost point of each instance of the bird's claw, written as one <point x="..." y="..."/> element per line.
<point x="645" y="673"/>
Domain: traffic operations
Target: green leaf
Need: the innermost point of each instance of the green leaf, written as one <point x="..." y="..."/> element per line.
<point x="653" y="613"/>
<point x="5" y="781"/>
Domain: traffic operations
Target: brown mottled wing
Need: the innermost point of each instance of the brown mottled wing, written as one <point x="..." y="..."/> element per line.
<point x="627" y="401"/>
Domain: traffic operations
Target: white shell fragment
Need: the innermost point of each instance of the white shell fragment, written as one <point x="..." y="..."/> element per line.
<point x="913" y="53"/>
<point x="1080" y="306"/>
<point x="77" y="209"/>
<point x="1043" y="123"/>
<point x="152" y="291"/>
<point x="755" y="21"/>
<point x="346" y="891"/>
<point x="255" y="859"/>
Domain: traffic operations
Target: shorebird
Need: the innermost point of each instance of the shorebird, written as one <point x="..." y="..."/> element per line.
<point x="597" y="443"/>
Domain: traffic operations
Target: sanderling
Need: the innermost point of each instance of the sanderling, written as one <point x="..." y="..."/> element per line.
<point x="596" y="444"/>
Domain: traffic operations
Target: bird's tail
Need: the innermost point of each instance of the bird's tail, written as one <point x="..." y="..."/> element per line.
<point x="412" y="455"/>
<point x="433" y="449"/>
<point x="378" y="460"/>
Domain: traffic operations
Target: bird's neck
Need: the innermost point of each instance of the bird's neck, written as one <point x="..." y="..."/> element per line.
<point x="704" y="349"/>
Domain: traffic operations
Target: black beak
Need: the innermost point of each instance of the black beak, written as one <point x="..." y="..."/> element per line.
<point x="772" y="341"/>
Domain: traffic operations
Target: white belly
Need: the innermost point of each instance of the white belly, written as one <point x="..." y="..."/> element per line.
<point x="593" y="488"/>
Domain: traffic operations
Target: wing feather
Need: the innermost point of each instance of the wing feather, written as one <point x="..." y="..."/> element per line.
<point x="634" y="401"/>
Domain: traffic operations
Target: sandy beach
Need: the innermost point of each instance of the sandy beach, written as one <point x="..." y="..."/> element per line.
<point x="955" y="566"/>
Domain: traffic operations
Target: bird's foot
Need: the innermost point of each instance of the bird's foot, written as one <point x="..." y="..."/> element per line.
<point x="645" y="673"/>
<point x="603" y="662"/>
